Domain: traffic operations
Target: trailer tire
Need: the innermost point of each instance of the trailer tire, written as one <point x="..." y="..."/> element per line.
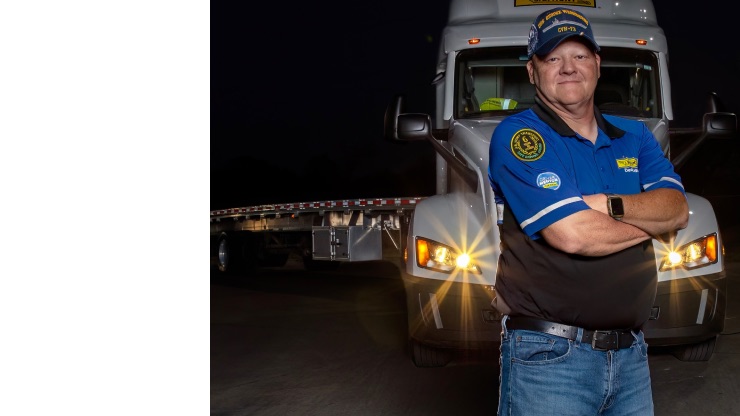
<point x="426" y="356"/>
<point x="701" y="351"/>
<point x="224" y="253"/>
<point x="235" y="254"/>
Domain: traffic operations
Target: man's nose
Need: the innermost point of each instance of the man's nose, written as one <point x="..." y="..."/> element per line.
<point x="568" y="66"/>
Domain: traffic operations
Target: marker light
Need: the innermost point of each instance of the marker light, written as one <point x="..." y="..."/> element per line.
<point x="439" y="257"/>
<point x="698" y="253"/>
<point x="641" y="42"/>
<point x="474" y="41"/>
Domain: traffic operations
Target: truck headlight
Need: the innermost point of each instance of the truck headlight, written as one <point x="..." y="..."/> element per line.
<point x="436" y="256"/>
<point x="700" y="252"/>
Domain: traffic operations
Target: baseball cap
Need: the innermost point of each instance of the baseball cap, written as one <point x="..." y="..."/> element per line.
<point x="554" y="26"/>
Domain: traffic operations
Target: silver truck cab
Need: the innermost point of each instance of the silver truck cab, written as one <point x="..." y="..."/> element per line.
<point x="453" y="240"/>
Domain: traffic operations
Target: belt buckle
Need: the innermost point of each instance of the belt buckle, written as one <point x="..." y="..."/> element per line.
<point x="605" y="340"/>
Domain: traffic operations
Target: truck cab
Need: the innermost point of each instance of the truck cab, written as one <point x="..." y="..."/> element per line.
<point x="453" y="242"/>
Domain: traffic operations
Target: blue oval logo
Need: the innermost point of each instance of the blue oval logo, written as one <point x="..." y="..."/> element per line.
<point x="548" y="180"/>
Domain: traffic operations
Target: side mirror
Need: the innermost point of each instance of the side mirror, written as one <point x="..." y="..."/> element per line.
<point x="414" y="127"/>
<point x="719" y="125"/>
<point x="390" y="121"/>
<point x="405" y="127"/>
<point x="715" y="104"/>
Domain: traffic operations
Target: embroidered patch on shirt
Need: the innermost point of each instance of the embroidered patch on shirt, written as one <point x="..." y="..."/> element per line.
<point x="629" y="164"/>
<point x="548" y="180"/>
<point x="527" y="145"/>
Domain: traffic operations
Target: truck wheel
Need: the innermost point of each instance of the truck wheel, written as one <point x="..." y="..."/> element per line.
<point x="701" y="351"/>
<point x="235" y="254"/>
<point x="224" y="255"/>
<point x="426" y="356"/>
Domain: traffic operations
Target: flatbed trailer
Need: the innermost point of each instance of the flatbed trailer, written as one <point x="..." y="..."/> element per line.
<point x="323" y="233"/>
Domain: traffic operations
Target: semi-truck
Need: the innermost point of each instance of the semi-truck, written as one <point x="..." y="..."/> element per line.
<point x="447" y="245"/>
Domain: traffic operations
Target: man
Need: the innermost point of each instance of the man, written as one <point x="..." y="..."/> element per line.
<point x="577" y="276"/>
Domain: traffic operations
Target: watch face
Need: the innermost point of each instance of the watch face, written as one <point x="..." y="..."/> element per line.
<point x="616" y="208"/>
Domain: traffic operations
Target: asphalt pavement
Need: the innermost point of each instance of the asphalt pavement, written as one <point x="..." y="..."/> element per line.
<point x="289" y="342"/>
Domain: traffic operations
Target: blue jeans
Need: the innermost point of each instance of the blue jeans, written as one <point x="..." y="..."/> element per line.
<point x="543" y="374"/>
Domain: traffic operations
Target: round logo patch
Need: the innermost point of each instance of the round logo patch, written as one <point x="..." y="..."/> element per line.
<point x="527" y="145"/>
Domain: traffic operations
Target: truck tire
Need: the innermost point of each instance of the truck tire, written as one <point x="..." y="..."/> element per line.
<point x="701" y="351"/>
<point x="235" y="254"/>
<point x="224" y="253"/>
<point x="426" y="356"/>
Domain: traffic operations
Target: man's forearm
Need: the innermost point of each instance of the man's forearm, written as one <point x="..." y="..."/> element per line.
<point x="591" y="233"/>
<point x="656" y="212"/>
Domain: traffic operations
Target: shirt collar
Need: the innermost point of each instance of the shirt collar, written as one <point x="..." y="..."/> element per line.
<point x="549" y="116"/>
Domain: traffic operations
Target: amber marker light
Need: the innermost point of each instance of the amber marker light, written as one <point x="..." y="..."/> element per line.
<point x="641" y="42"/>
<point x="422" y="252"/>
<point x="474" y="41"/>
<point x="711" y="248"/>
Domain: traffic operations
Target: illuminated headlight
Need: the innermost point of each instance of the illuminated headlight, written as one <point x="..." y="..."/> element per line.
<point x="436" y="256"/>
<point x="700" y="252"/>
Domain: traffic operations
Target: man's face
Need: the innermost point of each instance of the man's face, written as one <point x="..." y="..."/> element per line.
<point x="567" y="75"/>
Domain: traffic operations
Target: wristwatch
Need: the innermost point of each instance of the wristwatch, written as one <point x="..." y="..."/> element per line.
<point x="614" y="206"/>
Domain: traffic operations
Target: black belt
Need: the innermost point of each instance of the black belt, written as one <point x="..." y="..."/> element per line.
<point x="599" y="340"/>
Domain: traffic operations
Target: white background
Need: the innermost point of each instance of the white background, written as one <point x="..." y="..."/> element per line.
<point x="104" y="143"/>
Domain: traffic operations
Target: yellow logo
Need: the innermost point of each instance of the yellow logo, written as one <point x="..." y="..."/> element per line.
<point x="527" y="145"/>
<point x="627" y="162"/>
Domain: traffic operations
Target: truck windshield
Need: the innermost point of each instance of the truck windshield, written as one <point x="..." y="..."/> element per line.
<point x="494" y="82"/>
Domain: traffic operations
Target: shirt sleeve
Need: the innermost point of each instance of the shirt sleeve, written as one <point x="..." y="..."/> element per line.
<point x="527" y="174"/>
<point x="656" y="171"/>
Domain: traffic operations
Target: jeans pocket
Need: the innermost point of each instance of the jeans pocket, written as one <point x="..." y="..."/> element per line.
<point x="537" y="348"/>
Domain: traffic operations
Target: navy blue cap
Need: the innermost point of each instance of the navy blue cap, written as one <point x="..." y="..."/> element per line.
<point x="554" y="26"/>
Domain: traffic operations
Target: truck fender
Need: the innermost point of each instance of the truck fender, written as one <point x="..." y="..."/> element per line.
<point x="460" y="221"/>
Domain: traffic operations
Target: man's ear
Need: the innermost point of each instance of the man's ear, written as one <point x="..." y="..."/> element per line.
<point x="530" y="71"/>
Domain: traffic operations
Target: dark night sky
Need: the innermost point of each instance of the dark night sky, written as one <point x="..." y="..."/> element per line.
<point x="298" y="96"/>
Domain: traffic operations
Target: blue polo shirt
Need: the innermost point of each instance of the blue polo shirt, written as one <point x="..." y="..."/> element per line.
<point x="540" y="168"/>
